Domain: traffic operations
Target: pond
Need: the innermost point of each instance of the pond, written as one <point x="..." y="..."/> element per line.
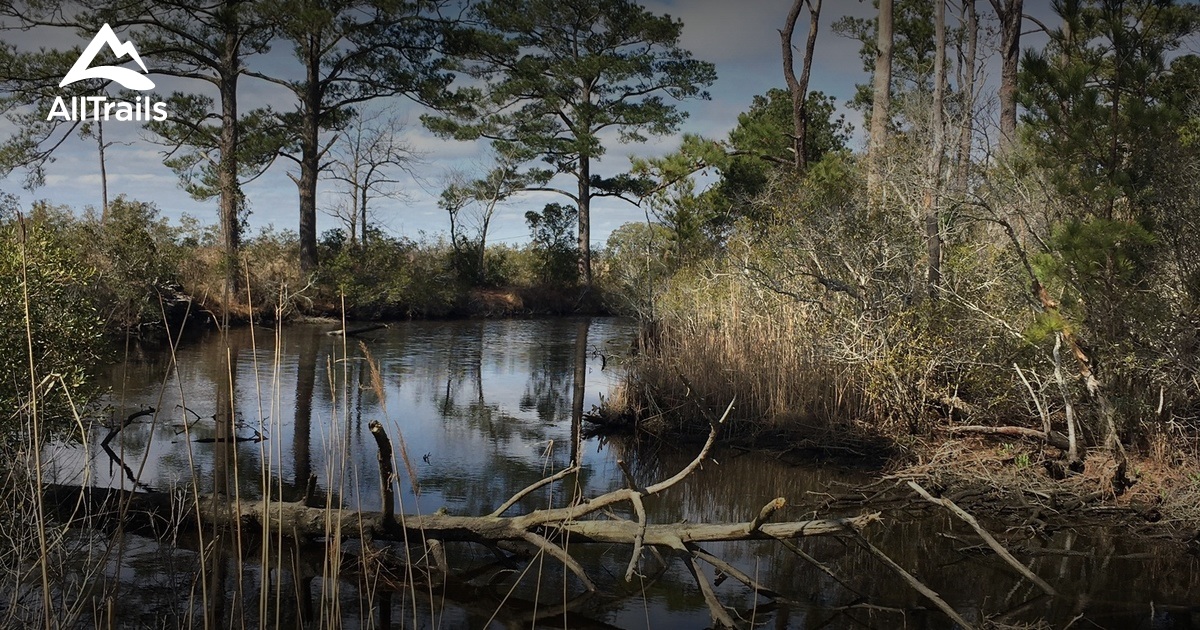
<point x="479" y="409"/>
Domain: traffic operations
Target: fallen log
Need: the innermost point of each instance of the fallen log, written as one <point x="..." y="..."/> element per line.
<point x="297" y="519"/>
<point x="1053" y="438"/>
<point x="548" y="531"/>
<point x="343" y="332"/>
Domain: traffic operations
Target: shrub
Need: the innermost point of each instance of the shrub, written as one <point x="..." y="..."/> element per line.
<point x="40" y="275"/>
<point x="390" y="277"/>
<point x="137" y="257"/>
<point x="554" y="245"/>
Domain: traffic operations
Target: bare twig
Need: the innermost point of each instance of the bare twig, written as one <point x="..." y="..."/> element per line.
<point x="719" y="614"/>
<point x="1037" y="401"/>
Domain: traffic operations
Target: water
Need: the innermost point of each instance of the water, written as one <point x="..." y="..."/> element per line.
<point x="484" y="408"/>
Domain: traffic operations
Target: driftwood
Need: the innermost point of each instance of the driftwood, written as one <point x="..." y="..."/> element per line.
<point x="912" y="581"/>
<point x="342" y="332"/>
<point x="112" y="433"/>
<point x="295" y="518"/>
<point x="545" y="531"/>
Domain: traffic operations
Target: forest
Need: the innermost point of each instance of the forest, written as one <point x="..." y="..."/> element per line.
<point x="984" y="291"/>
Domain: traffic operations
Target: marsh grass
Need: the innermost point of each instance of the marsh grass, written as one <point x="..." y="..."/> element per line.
<point x="59" y="573"/>
<point x="779" y="363"/>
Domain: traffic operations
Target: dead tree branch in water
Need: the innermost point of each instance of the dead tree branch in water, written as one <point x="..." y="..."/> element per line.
<point x="354" y="332"/>
<point x="986" y="536"/>
<point x="546" y="531"/>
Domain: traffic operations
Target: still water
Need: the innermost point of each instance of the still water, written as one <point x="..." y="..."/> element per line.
<point x="478" y="410"/>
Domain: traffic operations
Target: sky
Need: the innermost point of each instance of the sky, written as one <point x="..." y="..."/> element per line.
<point x="740" y="38"/>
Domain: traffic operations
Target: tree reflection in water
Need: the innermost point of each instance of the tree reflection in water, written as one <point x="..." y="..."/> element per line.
<point x="486" y="408"/>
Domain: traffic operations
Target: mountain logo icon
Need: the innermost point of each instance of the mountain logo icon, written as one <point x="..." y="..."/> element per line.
<point x="126" y="77"/>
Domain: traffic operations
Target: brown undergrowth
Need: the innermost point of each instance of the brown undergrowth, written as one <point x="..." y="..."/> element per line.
<point x="1017" y="480"/>
<point x="1005" y="476"/>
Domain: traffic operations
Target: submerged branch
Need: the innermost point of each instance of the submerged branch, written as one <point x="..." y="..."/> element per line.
<point x="986" y="536"/>
<point x="546" y="531"/>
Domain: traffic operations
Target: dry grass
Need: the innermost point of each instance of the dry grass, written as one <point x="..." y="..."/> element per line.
<point x="1163" y="490"/>
<point x="785" y="371"/>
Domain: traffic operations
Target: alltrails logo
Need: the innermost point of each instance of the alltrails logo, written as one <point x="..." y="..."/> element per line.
<point x="83" y="108"/>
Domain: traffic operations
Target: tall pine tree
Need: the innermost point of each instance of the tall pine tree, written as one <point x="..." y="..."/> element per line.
<point x="557" y="74"/>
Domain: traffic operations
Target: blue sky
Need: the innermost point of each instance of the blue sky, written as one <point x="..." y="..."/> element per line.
<point x="740" y="38"/>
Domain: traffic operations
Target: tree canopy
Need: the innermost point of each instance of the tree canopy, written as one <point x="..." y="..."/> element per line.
<point x="559" y="77"/>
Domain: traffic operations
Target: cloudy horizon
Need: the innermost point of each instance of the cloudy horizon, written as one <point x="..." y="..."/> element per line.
<point x="741" y="39"/>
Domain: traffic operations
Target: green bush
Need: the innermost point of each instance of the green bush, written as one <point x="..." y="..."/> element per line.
<point x="41" y="275"/>
<point x="390" y="277"/>
<point x="554" y="245"/>
<point x="137" y="256"/>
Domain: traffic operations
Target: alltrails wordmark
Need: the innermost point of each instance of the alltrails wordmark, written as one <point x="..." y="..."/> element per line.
<point x="102" y="108"/>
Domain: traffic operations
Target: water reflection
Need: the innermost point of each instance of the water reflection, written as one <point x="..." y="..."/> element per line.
<point x="483" y="409"/>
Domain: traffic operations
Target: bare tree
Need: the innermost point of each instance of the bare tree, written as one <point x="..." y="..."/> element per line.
<point x="966" y="81"/>
<point x="96" y="130"/>
<point x="1009" y="12"/>
<point x="882" y="103"/>
<point x="799" y="87"/>
<point x="484" y="195"/>
<point x="367" y="159"/>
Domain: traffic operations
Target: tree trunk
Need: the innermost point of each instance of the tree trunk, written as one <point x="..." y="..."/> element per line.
<point x="310" y="160"/>
<point x="585" y="220"/>
<point x="933" y="234"/>
<point x="799" y="87"/>
<point x="296" y="519"/>
<point x="362" y="209"/>
<point x="103" y="171"/>
<point x="882" y="103"/>
<point x="1009" y="12"/>
<point x="970" y="20"/>
<point x="227" y="170"/>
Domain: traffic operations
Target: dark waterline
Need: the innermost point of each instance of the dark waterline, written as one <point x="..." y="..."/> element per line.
<point x="486" y="407"/>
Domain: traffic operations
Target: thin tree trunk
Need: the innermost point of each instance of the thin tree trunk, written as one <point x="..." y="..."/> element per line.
<point x="1068" y="408"/>
<point x="585" y="220"/>
<point x="1114" y="156"/>
<point x="799" y="87"/>
<point x="362" y="209"/>
<point x="103" y="171"/>
<point x="970" y="21"/>
<point x="933" y="177"/>
<point x="352" y="222"/>
<point x="882" y="102"/>
<point x="1009" y="12"/>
